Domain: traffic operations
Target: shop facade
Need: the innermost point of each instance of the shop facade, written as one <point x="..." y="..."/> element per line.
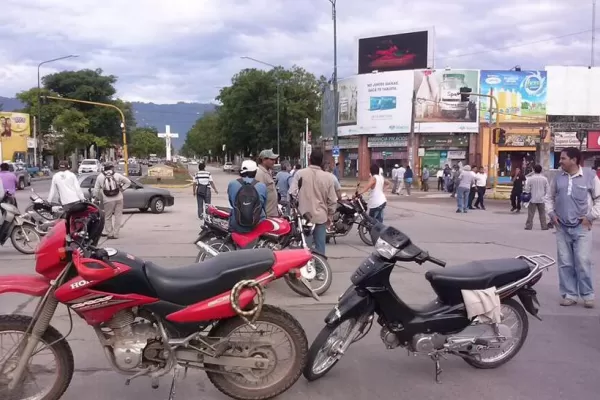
<point x="388" y="150"/>
<point x="348" y="158"/>
<point x="592" y="157"/>
<point x="438" y="150"/>
<point x="562" y="140"/>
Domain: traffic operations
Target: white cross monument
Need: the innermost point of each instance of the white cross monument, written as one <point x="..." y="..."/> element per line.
<point x="168" y="135"/>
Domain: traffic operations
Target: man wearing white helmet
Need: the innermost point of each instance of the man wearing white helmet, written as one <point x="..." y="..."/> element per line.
<point x="247" y="198"/>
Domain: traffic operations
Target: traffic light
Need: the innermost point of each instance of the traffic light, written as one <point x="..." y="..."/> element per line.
<point x="498" y="136"/>
<point x="465" y="92"/>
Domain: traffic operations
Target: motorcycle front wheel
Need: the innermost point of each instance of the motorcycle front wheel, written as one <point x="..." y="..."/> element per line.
<point x="364" y="231"/>
<point x="324" y="352"/>
<point x="319" y="284"/>
<point x="25" y="238"/>
<point x="219" y="245"/>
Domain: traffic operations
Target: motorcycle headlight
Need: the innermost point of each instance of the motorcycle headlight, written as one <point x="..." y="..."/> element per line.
<point x="385" y="249"/>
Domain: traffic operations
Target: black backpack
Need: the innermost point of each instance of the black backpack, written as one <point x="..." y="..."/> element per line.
<point x="247" y="205"/>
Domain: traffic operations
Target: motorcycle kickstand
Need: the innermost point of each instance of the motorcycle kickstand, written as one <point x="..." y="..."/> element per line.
<point x="173" y="383"/>
<point x="438" y="368"/>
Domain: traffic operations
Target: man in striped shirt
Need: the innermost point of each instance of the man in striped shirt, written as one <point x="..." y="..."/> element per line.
<point x="201" y="188"/>
<point x="538" y="187"/>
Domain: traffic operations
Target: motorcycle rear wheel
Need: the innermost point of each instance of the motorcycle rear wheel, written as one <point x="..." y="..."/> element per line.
<point x="219" y="245"/>
<point x="521" y="315"/>
<point x="323" y="267"/>
<point x="292" y="328"/>
<point x="54" y="341"/>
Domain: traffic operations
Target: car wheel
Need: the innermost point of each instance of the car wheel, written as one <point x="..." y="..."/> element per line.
<point x="157" y="205"/>
<point x="21" y="184"/>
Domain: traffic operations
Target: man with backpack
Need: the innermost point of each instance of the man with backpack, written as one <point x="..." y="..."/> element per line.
<point x="247" y="198"/>
<point x="111" y="185"/>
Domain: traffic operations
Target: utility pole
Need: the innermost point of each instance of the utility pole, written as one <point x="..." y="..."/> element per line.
<point x="335" y="74"/>
<point x="411" y="135"/>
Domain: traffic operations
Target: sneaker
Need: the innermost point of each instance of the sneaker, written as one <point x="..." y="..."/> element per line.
<point x="588" y="303"/>
<point x="567" y="302"/>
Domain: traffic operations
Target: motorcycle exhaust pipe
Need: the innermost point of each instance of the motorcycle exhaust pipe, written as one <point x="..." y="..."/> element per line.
<point x="206" y="248"/>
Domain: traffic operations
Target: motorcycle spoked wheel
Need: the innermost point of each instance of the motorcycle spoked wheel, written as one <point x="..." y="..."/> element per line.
<point x="322" y="356"/>
<point x="30" y="234"/>
<point x="228" y="383"/>
<point x="322" y="268"/>
<point x="364" y="231"/>
<point x="219" y="245"/>
<point x="52" y="340"/>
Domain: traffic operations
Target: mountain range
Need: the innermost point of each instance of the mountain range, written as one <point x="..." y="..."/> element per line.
<point x="180" y="116"/>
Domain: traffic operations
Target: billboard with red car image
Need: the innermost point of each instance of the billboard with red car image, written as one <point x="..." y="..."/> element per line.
<point x="396" y="52"/>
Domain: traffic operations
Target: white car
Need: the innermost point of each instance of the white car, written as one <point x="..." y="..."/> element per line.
<point x="228" y="166"/>
<point x="89" y="165"/>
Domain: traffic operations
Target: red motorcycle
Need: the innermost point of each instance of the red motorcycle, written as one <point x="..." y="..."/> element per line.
<point x="313" y="279"/>
<point x="151" y="320"/>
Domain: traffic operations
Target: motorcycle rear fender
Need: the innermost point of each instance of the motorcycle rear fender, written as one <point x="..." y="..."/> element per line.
<point x="351" y="305"/>
<point x="528" y="298"/>
<point x="32" y="285"/>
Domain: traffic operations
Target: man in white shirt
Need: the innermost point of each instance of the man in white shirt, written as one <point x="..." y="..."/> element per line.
<point x="65" y="187"/>
<point x="395" y="179"/>
<point x="480" y="186"/>
<point x="401" y="172"/>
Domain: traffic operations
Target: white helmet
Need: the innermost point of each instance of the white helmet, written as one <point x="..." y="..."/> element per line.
<point x="248" y="166"/>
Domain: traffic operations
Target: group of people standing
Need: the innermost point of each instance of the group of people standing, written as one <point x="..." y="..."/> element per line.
<point x="468" y="184"/>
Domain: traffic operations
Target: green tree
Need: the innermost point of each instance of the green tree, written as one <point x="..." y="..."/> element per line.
<point x="145" y="141"/>
<point x="71" y="126"/>
<point x="248" y="115"/>
<point x="204" y="136"/>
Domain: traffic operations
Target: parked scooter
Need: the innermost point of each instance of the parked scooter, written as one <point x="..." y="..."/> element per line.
<point x="23" y="234"/>
<point x="444" y="326"/>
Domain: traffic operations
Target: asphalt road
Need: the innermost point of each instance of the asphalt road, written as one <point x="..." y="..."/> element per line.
<point x="559" y="359"/>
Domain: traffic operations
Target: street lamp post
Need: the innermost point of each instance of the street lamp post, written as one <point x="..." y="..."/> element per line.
<point x="335" y="74"/>
<point x="38" y="128"/>
<point x="278" y="95"/>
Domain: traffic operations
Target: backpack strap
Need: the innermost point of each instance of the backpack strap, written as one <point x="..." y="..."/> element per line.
<point x="254" y="182"/>
<point x="241" y="181"/>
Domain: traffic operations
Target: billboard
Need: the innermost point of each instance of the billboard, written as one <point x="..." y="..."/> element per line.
<point x="14" y="132"/>
<point x="396" y="51"/>
<point x="567" y="139"/>
<point x="573" y="91"/>
<point x="521" y="95"/>
<point x="376" y="104"/>
<point x="439" y="107"/>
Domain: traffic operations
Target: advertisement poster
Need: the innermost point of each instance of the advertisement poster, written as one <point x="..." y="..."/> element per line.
<point x="383" y="104"/>
<point x="394" y="52"/>
<point x="439" y="107"/>
<point x="567" y="139"/>
<point x="521" y="95"/>
<point x="348" y="95"/>
<point x="14" y="131"/>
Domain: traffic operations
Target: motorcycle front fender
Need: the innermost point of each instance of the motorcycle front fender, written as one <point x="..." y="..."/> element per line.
<point x="351" y="305"/>
<point x="32" y="285"/>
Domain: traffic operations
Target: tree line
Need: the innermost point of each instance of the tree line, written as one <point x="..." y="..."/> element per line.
<point x="245" y="120"/>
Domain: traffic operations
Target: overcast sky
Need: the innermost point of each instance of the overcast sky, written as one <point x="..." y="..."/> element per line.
<point x="184" y="50"/>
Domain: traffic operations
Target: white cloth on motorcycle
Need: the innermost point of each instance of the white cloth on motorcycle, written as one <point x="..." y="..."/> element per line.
<point x="483" y="303"/>
<point x="194" y="283"/>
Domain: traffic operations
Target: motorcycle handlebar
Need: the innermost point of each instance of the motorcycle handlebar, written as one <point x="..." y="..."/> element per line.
<point x="436" y="261"/>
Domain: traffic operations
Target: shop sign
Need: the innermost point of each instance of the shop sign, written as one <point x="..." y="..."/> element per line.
<point x="566" y="139"/>
<point x="389" y="155"/>
<point x="457" y="154"/>
<point x="445" y="141"/>
<point x="593" y="142"/>
<point x="388" y="141"/>
<point x="521" y="140"/>
<point x="343" y="143"/>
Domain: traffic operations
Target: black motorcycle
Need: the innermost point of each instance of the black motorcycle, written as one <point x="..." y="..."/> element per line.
<point x="348" y="213"/>
<point x="441" y="327"/>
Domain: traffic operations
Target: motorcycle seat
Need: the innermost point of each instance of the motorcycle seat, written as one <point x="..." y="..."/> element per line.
<point x="476" y="275"/>
<point x="194" y="283"/>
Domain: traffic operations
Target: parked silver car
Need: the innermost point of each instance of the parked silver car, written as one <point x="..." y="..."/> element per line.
<point x="137" y="196"/>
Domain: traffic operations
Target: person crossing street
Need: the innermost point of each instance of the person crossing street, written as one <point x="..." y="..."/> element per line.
<point x="110" y="186"/>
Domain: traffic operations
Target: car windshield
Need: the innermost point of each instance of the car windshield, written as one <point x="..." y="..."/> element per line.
<point x="89" y="162"/>
<point x="228" y="163"/>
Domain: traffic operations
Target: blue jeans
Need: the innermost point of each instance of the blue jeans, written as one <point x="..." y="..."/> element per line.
<point x="377" y="212"/>
<point x="317" y="239"/>
<point x="574" y="248"/>
<point x="462" y="198"/>
<point x="201" y="200"/>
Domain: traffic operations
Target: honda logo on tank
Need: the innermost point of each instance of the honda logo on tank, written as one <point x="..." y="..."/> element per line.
<point x="593" y="140"/>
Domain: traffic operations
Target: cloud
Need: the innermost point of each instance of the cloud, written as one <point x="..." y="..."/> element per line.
<point x="182" y="50"/>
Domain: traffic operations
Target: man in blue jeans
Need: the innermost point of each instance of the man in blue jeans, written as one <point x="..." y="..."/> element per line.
<point x="573" y="205"/>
